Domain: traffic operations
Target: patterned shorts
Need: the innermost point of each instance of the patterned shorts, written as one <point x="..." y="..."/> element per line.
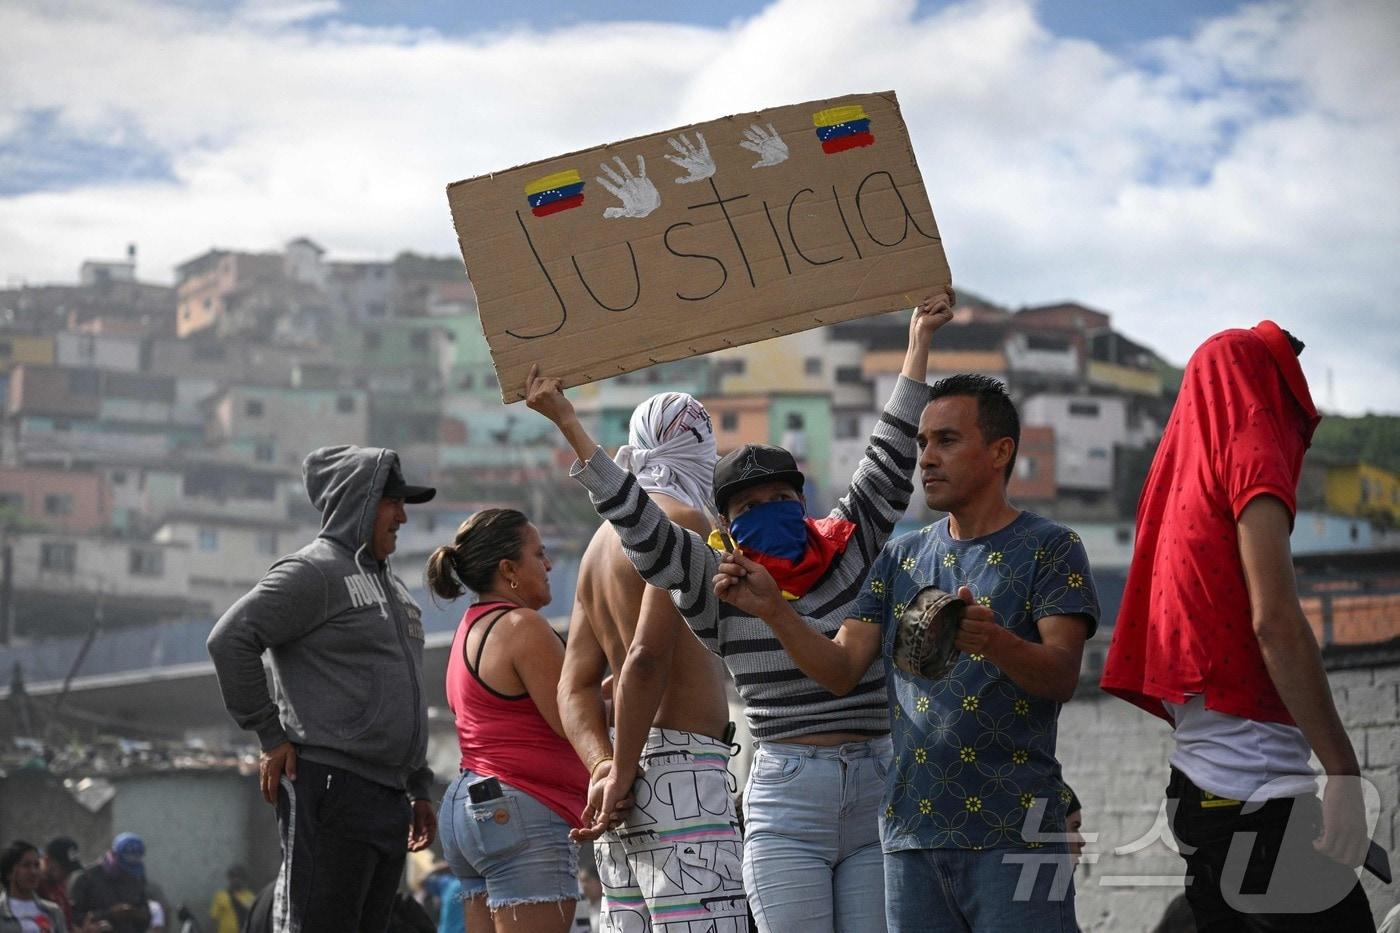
<point x="674" y="866"/>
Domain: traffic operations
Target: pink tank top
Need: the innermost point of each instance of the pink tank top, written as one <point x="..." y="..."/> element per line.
<point x="505" y="736"/>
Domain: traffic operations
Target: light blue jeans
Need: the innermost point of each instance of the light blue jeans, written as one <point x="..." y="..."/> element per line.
<point x="812" y="860"/>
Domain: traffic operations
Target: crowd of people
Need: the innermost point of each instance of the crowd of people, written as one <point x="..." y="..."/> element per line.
<point x="50" y="891"/>
<point x="904" y="694"/>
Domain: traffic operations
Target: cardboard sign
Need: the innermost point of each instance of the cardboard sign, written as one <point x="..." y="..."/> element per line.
<point x="676" y="244"/>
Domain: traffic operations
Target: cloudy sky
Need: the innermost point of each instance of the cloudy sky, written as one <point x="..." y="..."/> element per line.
<point x="1185" y="165"/>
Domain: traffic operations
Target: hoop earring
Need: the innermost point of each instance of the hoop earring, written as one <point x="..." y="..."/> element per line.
<point x="514" y="585"/>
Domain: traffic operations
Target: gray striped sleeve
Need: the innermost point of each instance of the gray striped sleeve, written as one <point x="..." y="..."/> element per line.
<point x="665" y="554"/>
<point x="881" y="487"/>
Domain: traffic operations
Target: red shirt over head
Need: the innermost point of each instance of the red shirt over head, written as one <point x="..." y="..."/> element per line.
<point x="1242" y="420"/>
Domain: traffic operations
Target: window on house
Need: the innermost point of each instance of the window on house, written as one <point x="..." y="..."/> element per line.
<point x="209" y="352"/>
<point x="1025" y="467"/>
<point x="1084" y="409"/>
<point x="1123" y="535"/>
<point x="146" y="562"/>
<point x="266" y="543"/>
<point x="418" y="340"/>
<point x="730" y="367"/>
<point x="847" y="426"/>
<point x="729" y="421"/>
<point x="58" y="556"/>
<point x="848" y="374"/>
<point x="7" y="349"/>
<point x="812" y="366"/>
<point x="58" y="503"/>
<point x="12" y="500"/>
<point x="208" y="539"/>
<point x="119" y="478"/>
<point x="795" y="421"/>
<point x="253" y="408"/>
<point x="263" y="453"/>
<point x="345" y="404"/>
<point x="1098" y="453"/>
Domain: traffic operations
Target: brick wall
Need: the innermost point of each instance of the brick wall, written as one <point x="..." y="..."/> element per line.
<point x="1115" y="757"/>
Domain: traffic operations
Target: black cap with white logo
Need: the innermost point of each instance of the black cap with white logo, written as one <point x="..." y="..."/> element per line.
<point x="752" y="465"/>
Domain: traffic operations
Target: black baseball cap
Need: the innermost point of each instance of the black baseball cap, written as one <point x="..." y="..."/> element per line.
<point x="396" y="488"/>
<point x="752" y="465"/>
<point x="63" y="852"/>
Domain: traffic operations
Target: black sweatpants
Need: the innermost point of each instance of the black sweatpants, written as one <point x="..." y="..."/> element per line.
<point x="1257" y="871"/>
<point x="344" y="843"/>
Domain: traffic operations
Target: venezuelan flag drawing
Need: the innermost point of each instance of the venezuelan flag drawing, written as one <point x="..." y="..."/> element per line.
<point x="554" y="193"/>
<point x="842" y="128"/>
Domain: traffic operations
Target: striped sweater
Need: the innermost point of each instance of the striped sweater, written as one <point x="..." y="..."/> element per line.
<point x="781" y="701"/>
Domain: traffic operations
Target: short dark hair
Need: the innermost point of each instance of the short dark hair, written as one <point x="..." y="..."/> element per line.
<point x="11" y="857"/>
<point x="996" y="413"/>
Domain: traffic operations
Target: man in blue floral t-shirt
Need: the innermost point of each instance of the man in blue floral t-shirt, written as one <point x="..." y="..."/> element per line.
<point x="975" y="804"/>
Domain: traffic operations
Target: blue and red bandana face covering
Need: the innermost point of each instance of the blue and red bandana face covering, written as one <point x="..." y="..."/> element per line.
<point x="795" y="549"/>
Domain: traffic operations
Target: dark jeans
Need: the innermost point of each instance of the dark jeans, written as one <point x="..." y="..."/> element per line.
<point x="344" y="843"/>
<point x="1254" y="867"/>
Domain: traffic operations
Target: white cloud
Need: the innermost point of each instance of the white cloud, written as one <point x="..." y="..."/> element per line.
<point x="1249" y="170"/>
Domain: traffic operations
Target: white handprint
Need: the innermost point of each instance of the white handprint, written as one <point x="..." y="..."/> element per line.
<point x="697" y="162"/>
<point x="638" y="195"/>
<point x="767" y="143"/>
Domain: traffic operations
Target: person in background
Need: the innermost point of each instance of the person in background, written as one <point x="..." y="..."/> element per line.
<point x="114" y="890"/>
<point x="588" y="916"/>
<point x="22" y="910"/>
<point x="443" y="898"/>
<point x="1074" y="821"/>
<point x="506" y="818"/>
<point x="60" y="863"/>
<point x="229" y="907"/>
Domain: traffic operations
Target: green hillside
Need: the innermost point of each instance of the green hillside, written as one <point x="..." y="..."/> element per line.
<point x="1374" y="439"/>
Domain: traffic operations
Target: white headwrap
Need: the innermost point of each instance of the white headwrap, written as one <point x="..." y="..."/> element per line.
<point x="671" y="448"/>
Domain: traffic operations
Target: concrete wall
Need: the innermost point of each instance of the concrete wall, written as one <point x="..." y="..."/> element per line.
<point x="195" y="825"/>
<point x="1115" y="758"/>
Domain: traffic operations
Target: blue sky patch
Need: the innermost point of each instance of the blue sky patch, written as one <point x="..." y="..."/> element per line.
<point x="44" y="155"/>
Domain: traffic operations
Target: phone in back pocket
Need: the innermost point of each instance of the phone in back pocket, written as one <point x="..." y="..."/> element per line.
<point x="483" y="790"/>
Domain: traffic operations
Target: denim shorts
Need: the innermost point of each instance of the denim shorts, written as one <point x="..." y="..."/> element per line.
<point x="513" y="849"/>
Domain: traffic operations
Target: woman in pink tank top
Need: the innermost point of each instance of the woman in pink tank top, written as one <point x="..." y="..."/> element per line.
<point x="504" y="823"/>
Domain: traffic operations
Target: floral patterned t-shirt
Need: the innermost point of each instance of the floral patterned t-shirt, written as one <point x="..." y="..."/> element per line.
<point x="974" y="753"/>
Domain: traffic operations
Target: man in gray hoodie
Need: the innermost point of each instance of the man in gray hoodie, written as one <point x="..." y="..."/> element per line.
<point x="344" y="742"/>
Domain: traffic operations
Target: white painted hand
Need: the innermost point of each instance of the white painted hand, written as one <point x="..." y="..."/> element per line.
<point x="636" y="192"/>
<point x="766" y="143"/>
<point x="698" y="162"/>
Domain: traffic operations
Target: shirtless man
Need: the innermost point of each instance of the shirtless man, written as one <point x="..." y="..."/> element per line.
<point x="668" y="757"/>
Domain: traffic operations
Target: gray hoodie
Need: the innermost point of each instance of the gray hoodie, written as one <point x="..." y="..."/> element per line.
<point x="345" y="636"/>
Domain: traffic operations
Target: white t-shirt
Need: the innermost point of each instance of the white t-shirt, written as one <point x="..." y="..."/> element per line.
<point x="1235" y="757"/>
<point x="31" y="918"/>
